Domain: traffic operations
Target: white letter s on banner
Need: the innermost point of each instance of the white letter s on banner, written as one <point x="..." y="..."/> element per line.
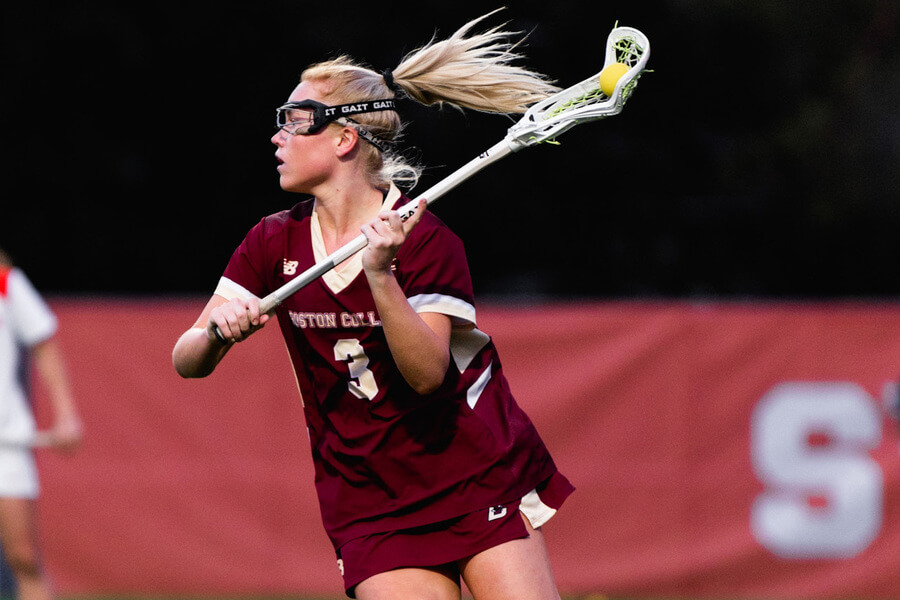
<point x="810" y="441"/>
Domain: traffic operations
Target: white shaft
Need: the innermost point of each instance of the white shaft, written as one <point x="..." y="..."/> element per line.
<point x="493" y="154"/>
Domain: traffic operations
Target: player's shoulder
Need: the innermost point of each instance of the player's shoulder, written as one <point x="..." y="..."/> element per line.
<point x="277" y="222"/>
<point x="300" y="211"/>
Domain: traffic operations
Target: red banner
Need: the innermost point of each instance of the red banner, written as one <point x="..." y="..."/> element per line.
<point x="719" y="451"/>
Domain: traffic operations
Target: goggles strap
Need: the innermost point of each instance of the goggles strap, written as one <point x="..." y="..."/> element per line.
<point x="324" y="114"/>
<point x="355" y="108"/>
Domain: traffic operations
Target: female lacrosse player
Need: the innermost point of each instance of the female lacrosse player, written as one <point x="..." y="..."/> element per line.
<point x="26" y="322"/>
<point x="427" y="471"/>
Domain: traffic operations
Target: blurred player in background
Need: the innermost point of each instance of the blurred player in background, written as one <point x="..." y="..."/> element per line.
<point x="27" y="327"/>
<point x="427" y="470"/>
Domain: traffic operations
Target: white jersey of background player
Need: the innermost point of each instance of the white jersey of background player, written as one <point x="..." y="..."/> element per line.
<point x="27" y="329"/>
<point x="25" y="321"/>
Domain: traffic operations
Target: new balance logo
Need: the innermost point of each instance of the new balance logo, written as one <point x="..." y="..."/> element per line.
<point x="290" y="266"/>
<point x="496" y="512"/>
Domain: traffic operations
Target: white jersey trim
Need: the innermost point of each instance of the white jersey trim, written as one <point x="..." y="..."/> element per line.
<point x="231" y="290"/>
<point x="474" y="392"/>
<point x="458" y="310"/>
<point x="339" y="278"/>
<point x="465" y="344"/>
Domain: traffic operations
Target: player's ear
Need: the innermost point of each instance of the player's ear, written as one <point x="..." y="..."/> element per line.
<point x="347" y="140"/>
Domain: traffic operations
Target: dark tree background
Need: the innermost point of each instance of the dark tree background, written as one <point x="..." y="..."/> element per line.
<point x="759" y="159"/>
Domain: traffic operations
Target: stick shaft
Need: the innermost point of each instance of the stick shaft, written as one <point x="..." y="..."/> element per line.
<point x="490" y="156"/>
<point x="39" y="439"/>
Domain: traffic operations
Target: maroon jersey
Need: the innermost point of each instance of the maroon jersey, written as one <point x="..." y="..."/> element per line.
<point x="386" y="457"/>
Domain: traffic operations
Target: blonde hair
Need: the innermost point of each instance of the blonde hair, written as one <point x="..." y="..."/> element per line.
<point x="464" y="71"/>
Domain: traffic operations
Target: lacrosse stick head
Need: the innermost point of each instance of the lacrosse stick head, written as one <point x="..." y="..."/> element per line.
<point x="585" y="101"/>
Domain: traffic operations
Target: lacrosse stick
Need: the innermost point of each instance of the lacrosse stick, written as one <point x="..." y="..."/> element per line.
<point x="542" y="122"/>
<point x="39" y="439"/>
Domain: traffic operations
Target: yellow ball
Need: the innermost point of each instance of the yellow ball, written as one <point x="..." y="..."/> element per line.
<point x="611" y="75"/>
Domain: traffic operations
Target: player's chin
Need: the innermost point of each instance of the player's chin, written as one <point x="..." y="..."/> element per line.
<point x="290" y="184"/>
<point x="297" y="180"/>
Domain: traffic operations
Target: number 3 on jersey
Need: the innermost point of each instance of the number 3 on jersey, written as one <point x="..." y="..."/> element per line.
<point x="362" y="380"/>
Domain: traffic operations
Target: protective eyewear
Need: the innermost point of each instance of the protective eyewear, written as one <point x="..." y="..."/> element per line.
<point x="309" y="117"/>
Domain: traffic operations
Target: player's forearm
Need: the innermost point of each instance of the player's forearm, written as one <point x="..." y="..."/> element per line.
<point x="420" y="353"/>
<point x="50" y="367"/>
<point x="195" y="354"/>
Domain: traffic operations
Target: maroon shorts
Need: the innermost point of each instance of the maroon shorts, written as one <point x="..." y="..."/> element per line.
<point x="429" y="545"/>
<point x="451" y="540"/>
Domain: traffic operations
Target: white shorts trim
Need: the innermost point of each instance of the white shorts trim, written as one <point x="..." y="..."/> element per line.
<point x="536" y="511"/>
<point x="18" y="474"/>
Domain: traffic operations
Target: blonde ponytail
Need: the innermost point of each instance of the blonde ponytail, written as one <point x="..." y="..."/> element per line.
<point x="473" y="72"/>
<point x="465" y="71"/>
